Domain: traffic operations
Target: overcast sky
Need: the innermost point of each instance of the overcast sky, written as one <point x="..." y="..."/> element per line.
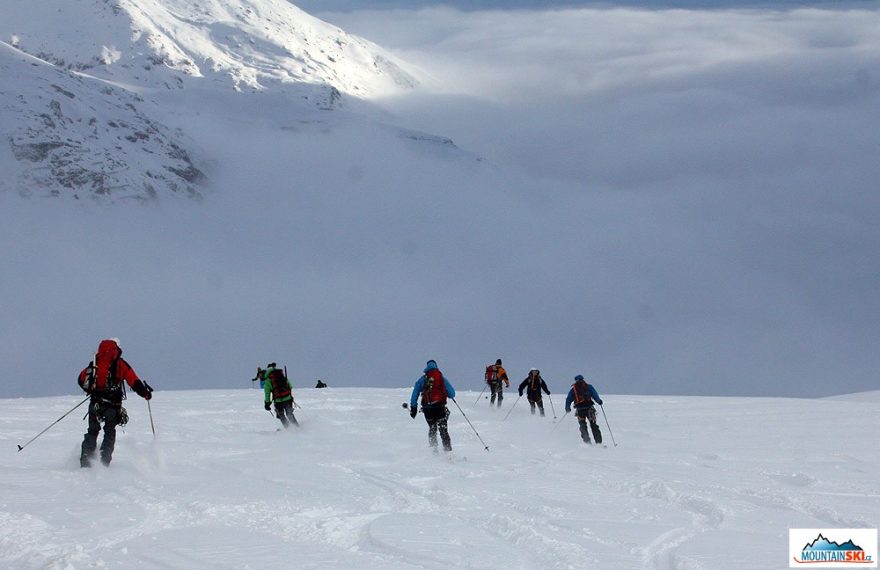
<point x="320" y="6"/>
<point x="666" y="202"/>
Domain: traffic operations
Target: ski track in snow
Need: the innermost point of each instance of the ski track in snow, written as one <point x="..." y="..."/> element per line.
<point x="357" y="485"/>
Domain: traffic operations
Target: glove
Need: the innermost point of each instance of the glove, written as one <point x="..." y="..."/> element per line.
<point x="267" y="406"/>
<point x="413" y="411"/>
<point x="520" y="394"/>
<point x="142" y="389"/>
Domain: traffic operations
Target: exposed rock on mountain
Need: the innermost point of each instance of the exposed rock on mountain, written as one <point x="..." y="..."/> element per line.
<point x="75" y="136"/>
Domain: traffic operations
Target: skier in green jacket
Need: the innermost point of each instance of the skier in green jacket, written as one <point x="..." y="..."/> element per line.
<point x="278" y="389"/>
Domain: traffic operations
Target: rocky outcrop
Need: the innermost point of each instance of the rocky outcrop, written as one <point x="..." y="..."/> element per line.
<point x="79" y="137"/>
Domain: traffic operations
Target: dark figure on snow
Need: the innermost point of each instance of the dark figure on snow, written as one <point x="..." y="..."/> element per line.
<point x="434" y="390"/>
<point x="583" y="395"/>
<point x="495" y="375"/>
<point x="321" y="384"/>
<point x="278" y="389"/>
<point x="533" y="385"/>
<point x="103" y="380"/>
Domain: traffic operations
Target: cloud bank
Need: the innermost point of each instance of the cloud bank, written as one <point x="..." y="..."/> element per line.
<point x="667" y="202"/>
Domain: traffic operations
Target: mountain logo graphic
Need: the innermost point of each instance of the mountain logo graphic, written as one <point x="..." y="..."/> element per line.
<point x="822" y="543"/>
<point x="843" y="549"/>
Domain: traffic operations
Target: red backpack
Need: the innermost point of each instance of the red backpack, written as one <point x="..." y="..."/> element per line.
<point x="104" y="367"/>
<point x="280" y="387"/>
<point x="434" y="390"/>
<point x="582" y="393"/>
<point x="491" y="374"/>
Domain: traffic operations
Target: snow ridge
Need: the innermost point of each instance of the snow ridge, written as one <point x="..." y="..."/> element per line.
<point x="248" y="44"/>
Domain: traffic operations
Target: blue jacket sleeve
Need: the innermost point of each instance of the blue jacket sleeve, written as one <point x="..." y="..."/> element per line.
<point x="450" y="391"/>
<point x="595" y="395"/>
<point x="417" y="389"/>
<point x="569" y="399"/>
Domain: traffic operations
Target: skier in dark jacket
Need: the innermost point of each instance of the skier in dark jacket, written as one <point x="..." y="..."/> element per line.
<point x="495" y="375"/>
<point x="533" y="384"/>
<point x="583" y="396"/>
<point x="434" y="389"/>
<point x="103" y="380"/>
<point x="279" y="390"/>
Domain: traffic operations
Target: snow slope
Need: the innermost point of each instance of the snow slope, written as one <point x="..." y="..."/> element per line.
<point x="75" y="136"/>
<point x="692" y="481"/>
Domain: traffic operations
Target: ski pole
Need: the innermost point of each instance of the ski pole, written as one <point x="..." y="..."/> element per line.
<point x="512" y="407"/>
<point x="20" y="447"/>
<point x="150" y="409"/>
<point x="551" y="406"/>
<point x="481" y="395"/>
<point x="152" y="427"/>
<point x="560" y="421"/>
<point x="607" y="424"/>
<point x="486" y="447"/>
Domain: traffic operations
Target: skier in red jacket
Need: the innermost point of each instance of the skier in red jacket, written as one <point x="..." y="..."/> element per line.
<point x="103" y="380"/>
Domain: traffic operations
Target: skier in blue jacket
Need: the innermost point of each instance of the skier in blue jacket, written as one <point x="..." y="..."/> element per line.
<point x="582" y="395"/>
<point x="434" y="389"/>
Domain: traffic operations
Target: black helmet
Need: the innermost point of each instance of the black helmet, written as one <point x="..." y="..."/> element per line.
<point x="498" y="361"/>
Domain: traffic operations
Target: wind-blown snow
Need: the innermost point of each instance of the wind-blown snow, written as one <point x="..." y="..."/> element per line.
<point x="691" y="482"/>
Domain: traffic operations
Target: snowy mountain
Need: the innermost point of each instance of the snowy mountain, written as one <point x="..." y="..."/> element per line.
<point x="75" y="136"/>
<point x="243" y="44"/>
<point x="82" y="116"/>
<point x="356" y="485"/>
